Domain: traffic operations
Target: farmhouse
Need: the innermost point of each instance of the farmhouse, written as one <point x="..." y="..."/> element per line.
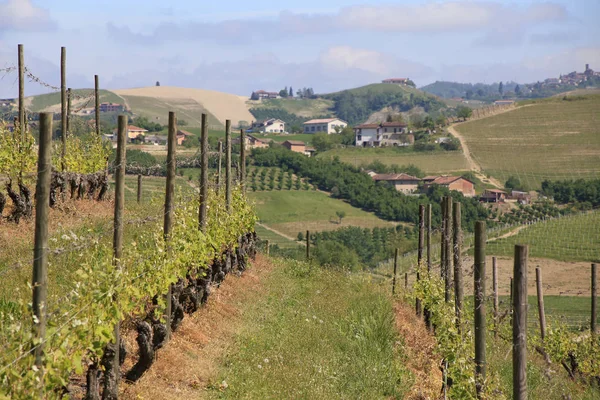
<point x="493" y="196"/>
<point x="266" y="95"/>
<point x="132" y="133"/>
<point x="396" y="81"/>
<point x="458" y="183"/>
<point x="504" y="102"/>
<point x="155" y="140"/>
<point x="252" y="142"/>
<point x="327" y="125"/>
<point x="182" y="136"/>
<point x="298" y="147"/>
<point x="384" y="134"/>
<point x="401" y="182"/>
<point x="271" y="125"/>
<point x="111" y="107"/>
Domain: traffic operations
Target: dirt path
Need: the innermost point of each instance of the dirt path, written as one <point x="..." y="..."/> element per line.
<point x="421" y="357"/>
<point x="189" y="362"/>
<point x="279" y="233"/>
<point x="473" y="165"/>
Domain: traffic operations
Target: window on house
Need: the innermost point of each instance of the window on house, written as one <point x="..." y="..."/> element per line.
<point x="312" y="128"/>
<point x="359" y="137"/>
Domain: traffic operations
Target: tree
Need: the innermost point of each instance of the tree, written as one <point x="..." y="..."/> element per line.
<point x="157" y="83"/>
<point x="513" y="183"/>
<point x="518" y="90"/>
<point x="254" y="96"/>
<point x="291" y="92"/>
<point x="501" y="88"/>
<point x="464" y="112"/>
<point x="469" y="94"/>
<point x="283" y="92"/>
<point x="340" y="215"/>
<point x="300" y="237"/>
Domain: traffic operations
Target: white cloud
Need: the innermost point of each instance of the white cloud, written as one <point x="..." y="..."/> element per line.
<point x="23" y="15"/>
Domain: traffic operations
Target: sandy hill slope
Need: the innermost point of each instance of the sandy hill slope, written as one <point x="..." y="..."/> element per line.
<point x="222" y="105"/>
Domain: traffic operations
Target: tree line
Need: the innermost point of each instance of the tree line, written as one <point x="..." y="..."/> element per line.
<point x="573" y="191"/>
<point x="359" y="190"/>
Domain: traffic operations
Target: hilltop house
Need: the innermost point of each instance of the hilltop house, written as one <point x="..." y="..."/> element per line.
<point x="298" y="147"/>
<point x="252" y="142"/>
<point x="396" y="81"/>
<point x="493" y="196"/>
<point x="384" y="134"/>
<point x="401" y="182"/>
<point x="327" y="125"/>
<point x="271" y="125"/>
<point x="111" y="107"/>
<point x="182" y="136"/>
<point x="261" y="94"/>
<point x="458" y="183"/>
<point x="504" y="102"/>
<point x="132" y="133"/>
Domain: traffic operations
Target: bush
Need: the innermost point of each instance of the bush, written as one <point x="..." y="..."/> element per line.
<point x="334" y="254"/>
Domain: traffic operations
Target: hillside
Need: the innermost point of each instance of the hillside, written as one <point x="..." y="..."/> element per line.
<point x="556" y="138"/>
<point x="358" y="104"/>
<point x="51" y="102"/>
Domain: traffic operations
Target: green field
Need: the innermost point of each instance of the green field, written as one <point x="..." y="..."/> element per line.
<point x="274" y="239"/>
<point x="572" y="238"/>
<point x="302" y="107"/>
<point x="39" y="103"/>
<point x="296" y="211"/>
<point x="157" y="110"/>
<point x="263" y="178"/>
<point x="430" y="163"/>
<point x="549" y="139"/>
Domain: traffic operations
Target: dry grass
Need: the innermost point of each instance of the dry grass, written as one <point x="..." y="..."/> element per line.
<point x="189" y="362"/>
<point x="422" y="358"/>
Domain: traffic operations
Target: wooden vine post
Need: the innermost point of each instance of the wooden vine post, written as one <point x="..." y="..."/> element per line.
<point x="395" y="271"/>
<point x="479" y="300"/>
<point x="112" y="370"/>
<point x="540" y="298"/>
<point x="495" y="289"/>
<point x="307" y="245"/>
<point x="429" y="260"/>
<point x="69" y="93"/>
<point x="40" y="249"/>
<point x="420" y="253"/>
<point x="220" y="150"/>
<point x="594" y="299"/>
<point x="202" y="212"/>
<point x="97" y="103"/>
<point x="63" y="104"/>
<point x="139" y="189"/>
<point x="267" y="247"/>
<point x="22" y="122"/>
<point x="228" y="181"/>
<point x="169" y="200"/>
<point x="448" y="250"/>
<point x="443" y="240"/>
<point x="519" y="323"/>
<point x="243" y="160"/>
<point x="458" y="281"/>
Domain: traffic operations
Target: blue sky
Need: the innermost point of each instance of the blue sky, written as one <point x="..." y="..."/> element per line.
<point x="239" y="46"/>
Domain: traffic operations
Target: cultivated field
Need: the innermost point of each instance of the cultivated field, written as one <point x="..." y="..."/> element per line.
<point x="548" y="139"/>
<point x="295" y="211"/>
<point x="51" y="102"/>
<point x="222" y="105"/>
<point x="302" y="107"/>
<point x="430" y="163"/>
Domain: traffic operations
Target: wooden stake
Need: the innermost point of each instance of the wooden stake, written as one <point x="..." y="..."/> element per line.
<point x="111" y="380"/>
<point x="540" y="296"/>
<point x="418" y="308"/>
<point x="169" y="199"/>
<point x="22" y="122"/>
<point x="448" y="250"/>
<point x="228" y="177"/>
<point x="202" y="213"/>
<point x="429" y="260"/>
<point x="97" y="103"/>
<point x="519" y="324"/>
<point x="406" y="281"/>
<point x="395" y="271"/>
<point x="458" y="283"/>
<point x="267" y="246"/>
<point x="479" y="298"/>
<point x="443" y="239"/>
<point x="594" y="299"/>
<point x="139" y="189"/>
<point x="243" y="160"/>
<point x="495" y="289"/>
<point x="219" y="165"/>
<point x="68" y="110"/>
<point x="40" y="249"/>
<point x="63" y="104"/>
<point x="307" y="245"/>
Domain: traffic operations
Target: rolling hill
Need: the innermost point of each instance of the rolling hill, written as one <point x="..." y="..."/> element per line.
<point x="553" y="138"/>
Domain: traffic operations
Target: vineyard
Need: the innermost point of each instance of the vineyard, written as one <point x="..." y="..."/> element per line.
<point x="265" y="179"/>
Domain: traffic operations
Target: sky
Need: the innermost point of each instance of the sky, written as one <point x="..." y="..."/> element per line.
<point x="238" y="46"/>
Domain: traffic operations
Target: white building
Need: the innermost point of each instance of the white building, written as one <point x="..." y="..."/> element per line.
<point x="328" y="125"/>
<point x="271" y="125"/>
<point x="376" y="135"/>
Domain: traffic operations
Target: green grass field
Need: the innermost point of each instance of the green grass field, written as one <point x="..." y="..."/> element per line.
<point x="157" y="110"/>
<point x="296" y="211"/>
<point x="430" y="163"/>
<point x="572" y="238"/>
<point x="302" y="107"/>
<point x="549" y="139"/>
<point x="315" y="334"/>
<point x="39" y="103"/>
<point x="274" y="239"/>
